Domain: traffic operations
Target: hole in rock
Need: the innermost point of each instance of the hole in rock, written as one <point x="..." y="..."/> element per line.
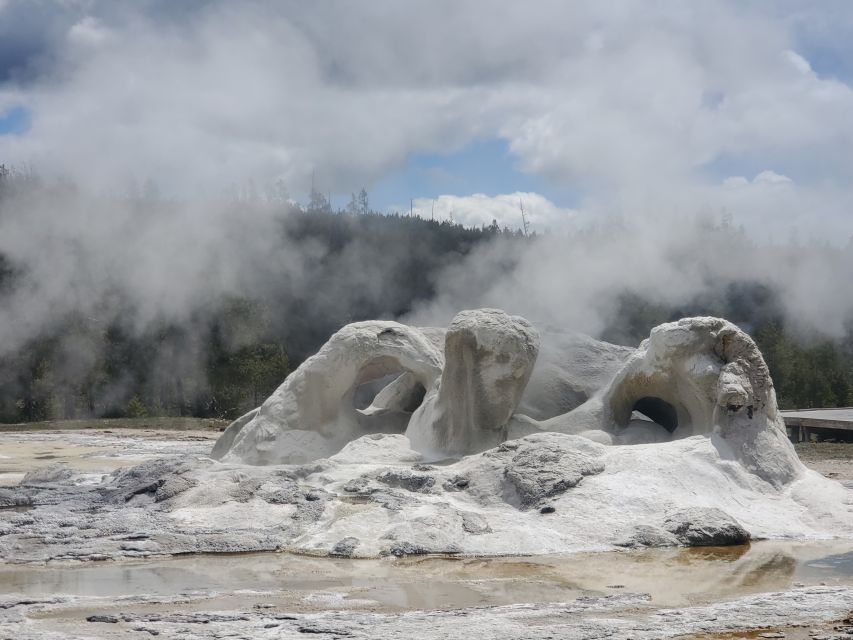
<point x="407" y="400"/>
<point x="385" y="395"/>
<point x="365" y="393"/>
<point x="658" y="411"/>
<point x="416" y="398"/>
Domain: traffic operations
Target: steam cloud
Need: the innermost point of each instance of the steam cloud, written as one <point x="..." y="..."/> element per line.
<point x="574" y="281"/>
<point x="659" y="117"/>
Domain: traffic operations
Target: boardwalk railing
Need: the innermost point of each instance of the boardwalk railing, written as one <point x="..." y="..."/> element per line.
<point x="803" y="422"/>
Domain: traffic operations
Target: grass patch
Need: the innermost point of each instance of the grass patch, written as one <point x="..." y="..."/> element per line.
<point x="817" y="451"/>
<point x="165" y="424"/>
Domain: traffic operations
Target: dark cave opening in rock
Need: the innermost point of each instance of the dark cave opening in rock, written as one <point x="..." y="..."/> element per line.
<point x="658" y="411"/>
<point x="415" y="399"/>
<point x="384" y="404"/>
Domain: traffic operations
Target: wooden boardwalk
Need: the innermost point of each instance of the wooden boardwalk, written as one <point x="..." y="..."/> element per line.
<point x="802" y="423"/>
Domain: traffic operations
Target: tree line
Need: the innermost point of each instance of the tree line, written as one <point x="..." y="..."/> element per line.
<point x="808" y="371"/>
<point x="232" y="351"/>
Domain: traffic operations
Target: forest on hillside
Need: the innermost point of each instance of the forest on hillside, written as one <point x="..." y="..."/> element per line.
<point x="225" y="352"/>
<point x="229" y="351"/>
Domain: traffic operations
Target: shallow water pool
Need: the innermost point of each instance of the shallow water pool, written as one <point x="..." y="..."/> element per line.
<point x="670" y="577"/>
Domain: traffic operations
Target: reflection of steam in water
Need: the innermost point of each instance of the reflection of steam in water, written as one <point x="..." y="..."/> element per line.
<point x="778" y="568"/>
<point x="743" y="568"/>
<point x="672" y="577"/>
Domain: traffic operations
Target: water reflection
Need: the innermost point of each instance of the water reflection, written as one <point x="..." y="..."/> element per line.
<point x="672" y="577"/>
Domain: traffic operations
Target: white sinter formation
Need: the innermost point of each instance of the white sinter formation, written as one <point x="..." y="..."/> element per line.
<point x="489" y="357"/>
<point x="698" y="376"/>
<point x="316" y="411"/>
<point x="547" y="443"/>
<point x="487" y="438"/>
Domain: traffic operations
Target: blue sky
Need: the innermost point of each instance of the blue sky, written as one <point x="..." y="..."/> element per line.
<point x="484" y="166"/>
<point x="14" y="121"/>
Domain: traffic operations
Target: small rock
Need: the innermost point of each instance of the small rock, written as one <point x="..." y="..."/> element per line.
<point x="9" y="498"/>
<point x="456" y="483"/>
<point x="51" y="474"/>
<point x="172" y="485"/>
<point x="475" y="524"/>
<point x="100" y="618"/>
<point x="389" y="500"/>
<point x="405" y="479"/>
<point x="649" y="536"/>
<point x="345" y="548"/>
<point x="358" y="485"/>
<point x="335" y="632"/>
<point x="703" y="527"/>
<point x="400" y="549"/>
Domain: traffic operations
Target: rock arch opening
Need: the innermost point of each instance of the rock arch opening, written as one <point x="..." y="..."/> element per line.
<point x="658" y="411"/>
<point x="384" y="396"/>
<point x="364" y="394"/>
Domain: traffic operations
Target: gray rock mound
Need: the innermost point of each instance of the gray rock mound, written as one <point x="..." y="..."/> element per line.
<point x="345" y="548"/>
<point x="649" y="536"/>
<point x="705" y="527"/>
<point x="405" y="479"/>
<point x="153" y="480"/>
<point x="51" y="474"/>
<point x="540" y="467"/>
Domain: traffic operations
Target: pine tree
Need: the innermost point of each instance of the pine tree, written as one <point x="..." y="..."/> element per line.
<point x="363" y="205"/>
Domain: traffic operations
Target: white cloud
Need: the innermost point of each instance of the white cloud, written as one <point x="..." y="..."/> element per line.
<point x="622" y="102"/>
<point x="480" y="209"/>
<point x="766" y="177"/>
<point x="771" y="177"/>
<point x="734" y="182"/>
<point x="799" y="62"/>
<point x="89" y="31"/>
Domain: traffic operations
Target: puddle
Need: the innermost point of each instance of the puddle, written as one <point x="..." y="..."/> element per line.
<point x="20" y="457"/>
<point x="92" y="452"/>
<point x="672" y="577"/>
<point x="841" y="564"/>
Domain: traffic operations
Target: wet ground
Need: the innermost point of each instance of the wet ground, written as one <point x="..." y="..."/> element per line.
<point x="215" y="592"/>
<point x="642" y="594"/>
<point x="669" y="577"/>
<point x="95" y="451"/>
